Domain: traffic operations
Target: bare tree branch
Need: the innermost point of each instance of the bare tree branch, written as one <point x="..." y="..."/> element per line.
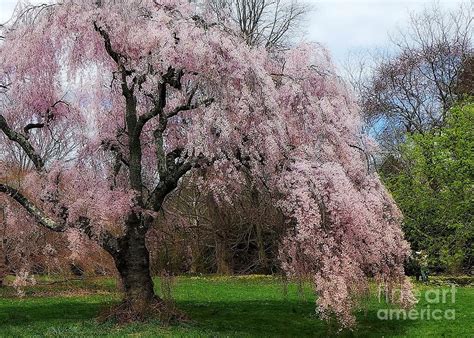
<point x="189" y="106"/>
<point x="30" y="126"/>
<point x="269" y="23"/>
<point x="23" y="142"/>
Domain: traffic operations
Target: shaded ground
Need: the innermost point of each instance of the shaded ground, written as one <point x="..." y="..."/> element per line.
<point x="250" y="306"/>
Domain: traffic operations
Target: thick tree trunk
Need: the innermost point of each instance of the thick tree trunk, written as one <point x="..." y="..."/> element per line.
<point x="132" y="260"/>
<point x="133" y="264"/>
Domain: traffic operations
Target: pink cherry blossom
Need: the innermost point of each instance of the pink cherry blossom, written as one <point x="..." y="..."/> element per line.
<point x="147" y="94"/>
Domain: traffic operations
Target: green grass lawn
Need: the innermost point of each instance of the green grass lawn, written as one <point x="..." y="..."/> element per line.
<point x="253" y="306"/>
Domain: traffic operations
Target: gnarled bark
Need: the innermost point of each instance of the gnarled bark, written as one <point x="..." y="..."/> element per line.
<point x="132" y="260"/>
<point x="133" y="264"/>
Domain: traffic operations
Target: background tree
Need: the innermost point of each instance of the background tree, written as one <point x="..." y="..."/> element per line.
<point x="269" y="23"/>
<point x="465" y="83"/>
<point x="230" y="233"/>
<point x="407" y="94"/>
<point x="3" y="257"/>
<point x="275" y="25"/>
<point x="433" y="187"/>
<point x="411" y="87"/>
<point x="202" y="234"/>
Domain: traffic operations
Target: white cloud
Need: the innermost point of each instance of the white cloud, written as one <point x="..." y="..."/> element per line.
<point x="6" y="9"/>
<point x="348" y="25"/>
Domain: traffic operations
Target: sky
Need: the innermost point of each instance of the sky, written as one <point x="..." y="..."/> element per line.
<point x="343" y="26"/>
<point x="346" y="26"/>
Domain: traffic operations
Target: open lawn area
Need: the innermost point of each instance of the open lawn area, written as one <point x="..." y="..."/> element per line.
<point x="217" y="306"/>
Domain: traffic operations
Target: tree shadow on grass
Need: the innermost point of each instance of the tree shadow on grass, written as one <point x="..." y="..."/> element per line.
<point x="21" y="312"/>
<point x="234" y="318"/>
<point x="280" y="318"/>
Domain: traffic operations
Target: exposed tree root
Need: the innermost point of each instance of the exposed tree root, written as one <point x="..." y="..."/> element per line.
<point x="126" y="312"/>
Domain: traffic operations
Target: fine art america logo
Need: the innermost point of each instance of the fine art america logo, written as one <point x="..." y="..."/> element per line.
<point x="437" y="305"/>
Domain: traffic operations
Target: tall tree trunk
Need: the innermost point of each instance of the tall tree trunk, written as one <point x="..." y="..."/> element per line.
<point x="133" y="264"/>
<point x="262" y="255"/>
<point x="3" y="243"/>
<point x="194" y="248"/>
<point x="195" y="257"/>
<point x="223" y="259"/>
<point x="3" y="262"/>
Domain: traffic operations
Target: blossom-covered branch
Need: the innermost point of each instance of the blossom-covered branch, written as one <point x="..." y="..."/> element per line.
<point x="40" y="216"/>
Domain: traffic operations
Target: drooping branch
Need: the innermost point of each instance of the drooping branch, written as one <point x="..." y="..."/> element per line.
<point x="49" y="116"/>
<point x="108" y="241"/>
<point x="23" y="142"/>
<point x="29" y="206"/>
<point x="367" y="158"/>
<point x="190" y="106"/>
